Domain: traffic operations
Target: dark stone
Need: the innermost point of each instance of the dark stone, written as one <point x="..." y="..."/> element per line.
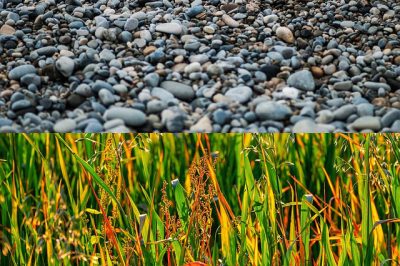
<point x="75" y="100"/>
<point x="51" y="72"/>
<point x="45" y="103"/>
<point x="270" y="70"/>
<point x="394" y="84"/>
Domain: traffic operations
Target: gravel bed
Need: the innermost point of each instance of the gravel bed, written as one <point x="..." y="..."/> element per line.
<point x="199" y="66"/>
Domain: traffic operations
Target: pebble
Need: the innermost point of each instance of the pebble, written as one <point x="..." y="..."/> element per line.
<point x="390" y="117"/>
<point x="230" y="21"/>
<point x="343" y="85"/>
<point x="285" y="34"/>
<point x="7" y="30"/>
<point x="19" y="71"/>
<point x="94" y="128"/>
<point x="170" y="28"/>
<point x="65" y="126"/>
<point x="106" y="97"/>
<point x="20" y="104"/>
<point x="31" y="79"/>
<point x="106" y="55"/>
<point x="325" y="117"/>
<point x="309" y="126"/>
<point x="152" y="79"/>
<point x="131" y="24"/>
<point x="272" y="111"/>
<point x="302" y="80"/>
<point x="203" y="125"/>
<point x="65" y="65"/>
<point x="344" y="111"/>
<point x="215" y="65"/>
<point x="365" y="109"/>
<point x="130" y="116"/>
<point x="366" y="122"/>
<point x="241" y="94"/>
<point x="376" y="85"/>
<point x="179" y="90"/>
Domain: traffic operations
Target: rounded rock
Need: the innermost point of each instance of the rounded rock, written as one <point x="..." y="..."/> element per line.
<point x="19" y="71"/>
<point x="65" y="125"/>
<point x="179" y="90"/>
<point x="170" y="28"/>
<point x="285" y="34"/>
<point x="131" y="117"/>
<point x="366" y="122"/>
<point x="241" y="94"/>
<point x="302" y="80"/>
<point x="65" y="66"/>
<point x="273" y="111"/>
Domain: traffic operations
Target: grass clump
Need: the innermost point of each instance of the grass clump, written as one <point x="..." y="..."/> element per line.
<point x="199" y="199"/>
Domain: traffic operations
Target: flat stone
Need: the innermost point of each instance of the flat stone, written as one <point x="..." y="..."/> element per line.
<point x="241" y="94"/>
<point x="273" y="111"/>
<point x="47" y="50"/>
<point x="343" y="85"/>
<point x="155" y="106"/>
<point x="366" y="122"/>
<point x="376" y="85"/>
<point x="309" y="126"/>
<point x="7" y="30"/>
<point x="5" y="122"/>
<point x="65" y="125"/>
<point x="170" y="28"/>
<point x="94" y="128"/>
<point x="19" y="71"/>
<point x="75" y="100"/>
<point x="162" y="94"/>
<point x="31" y="79"/>
<point x="365" y="109"/>
<point x="347" y="24"/>
<point x="194" y="11"/>
<point x="179" y="90"/>
<point x="270" y="18"/>
<point x="391" y="116"/>
<point x="344" y="111"/>
<point x="113" y="123"/>
<point x="131" y="117"/>
<point x="21" y="104"/>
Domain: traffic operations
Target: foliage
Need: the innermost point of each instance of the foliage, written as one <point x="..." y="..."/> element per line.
<point x="195" y="199"/>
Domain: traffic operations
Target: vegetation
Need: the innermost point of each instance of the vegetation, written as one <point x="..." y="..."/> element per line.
<point x="212" y="199"/>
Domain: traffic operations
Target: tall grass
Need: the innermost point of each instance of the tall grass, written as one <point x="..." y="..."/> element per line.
<point x="195" y="199"/>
